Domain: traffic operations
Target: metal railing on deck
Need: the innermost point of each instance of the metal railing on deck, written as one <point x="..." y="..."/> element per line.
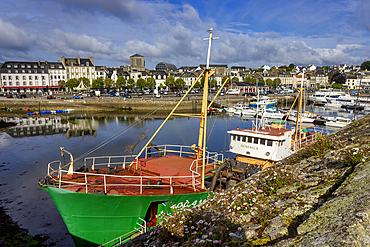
<point x="142" y="182"/>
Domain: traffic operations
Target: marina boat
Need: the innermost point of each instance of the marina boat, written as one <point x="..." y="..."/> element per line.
<point x="322" y="96"/>
<point x="338" y="122"/>
<point x="111" y="199"/>
<point x="248" y="111"/>
<point x="271" y="113"/>
<point x="264" y="101"/>
<point x="306" y="117"/>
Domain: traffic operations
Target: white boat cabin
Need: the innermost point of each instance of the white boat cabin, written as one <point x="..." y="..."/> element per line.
<point x="266" y="143"/>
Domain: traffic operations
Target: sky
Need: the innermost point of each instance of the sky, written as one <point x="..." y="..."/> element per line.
<point x="251" y="33"/>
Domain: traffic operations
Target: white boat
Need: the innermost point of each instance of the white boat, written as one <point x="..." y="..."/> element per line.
<point x="271" y="113"/>
<point x="322" y="96"/>
<point x="263" y="102"/>
<point x="338" y="122"/>
<point x="248" y="111"/>
<point x="230" y="109"/>
<point x="306" y="117"/>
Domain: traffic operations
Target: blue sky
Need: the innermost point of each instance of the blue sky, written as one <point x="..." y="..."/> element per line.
<point x="251" y="33"/>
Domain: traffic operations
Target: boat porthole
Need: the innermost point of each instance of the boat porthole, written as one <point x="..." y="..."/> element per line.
<point x="248" y="152"/>
<point x="267" y="153"/>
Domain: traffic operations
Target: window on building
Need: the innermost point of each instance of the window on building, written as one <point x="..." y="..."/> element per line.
<point x="42" y="66"/>
<point x="17" y="83"/>
<point x="17" y="77"/>
<point x="52" y="66"/>
<point x="36" y="77"/>
<point x="42" y="71"/>
<point x="67" y="70"/>
<point x="35" y="66"/>
<point x="29" y="71"/>
<point x="24" y="77"/>
<point x="16" y="71"/>
<point x="23" y="66"/>
<point x="87" y="70"/>
<point x="43" y="77"/>
<point x="4" y="83"/>
<point x="9" y="66"/>
<point x="83" y="70"/>
<point x="24" y="83"/>
<point x="10" y="77"/>
<point x="36" y="83"/>
<point x="9" y="71"/>
<point x="15" y="65"/>
<point x="4" y="77"/>
<point x="30" y="83"/>
<point x="10" y="83"/>
<point x="28" y="66"/>
<point x="23" y="71"/>
<point x="30" y="78"/>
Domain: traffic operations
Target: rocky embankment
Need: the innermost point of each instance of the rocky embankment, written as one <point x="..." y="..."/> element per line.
<point x="318" y="197"/>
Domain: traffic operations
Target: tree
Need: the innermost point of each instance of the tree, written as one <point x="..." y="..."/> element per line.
<point x="141" y="83"/>
<point x="161" y="86"/>
<point x="236" y="79"/>
<point x="179" y="83"/>
<point x="338" y="78"/>
<point x="98" y="83"/>
<point x="130" y="83"/>
<point x="84" y="80"/>
<point x="121" y="82"/>
<point x="337" y="86"/>
<point x="61" y="84"/>
<point x="276" y="82"/>
<point x="108" y="82"/>
<point x="170" y="82"/>
<point x="269" y="82"/>
<point x="291" y="67"/>
<point x="365" y="65"/>
<point x="212" y="83"/>
<point x="71" y="83"/>
<point x="150" y="82"/>
<point x="261" y="81"/>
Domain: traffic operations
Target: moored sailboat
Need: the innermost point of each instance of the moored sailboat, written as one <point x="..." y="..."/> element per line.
<point x="114" y="198"/>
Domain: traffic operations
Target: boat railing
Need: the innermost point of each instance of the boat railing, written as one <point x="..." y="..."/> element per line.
<point x="108" y="161"/>
<point x="107" y="181"/>
<point x="297" y="145"/>
<point x="127" y="236"/>
<point x="52" y="170"/>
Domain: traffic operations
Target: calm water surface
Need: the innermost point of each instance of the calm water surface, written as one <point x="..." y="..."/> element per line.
<point x="25" y="153"/>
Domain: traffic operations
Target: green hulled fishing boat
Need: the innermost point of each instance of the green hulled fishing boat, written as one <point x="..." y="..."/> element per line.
<point x="112" y="199"/>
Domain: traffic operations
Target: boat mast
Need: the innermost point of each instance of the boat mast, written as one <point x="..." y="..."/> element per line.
<point x="298" y="124"/>
<point x="203" y="115"/>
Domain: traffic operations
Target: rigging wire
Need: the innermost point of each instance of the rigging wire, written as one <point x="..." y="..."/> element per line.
<point x="209" y="135"/>
<point x="118" y="134"/>
<point x="177" y="130"/>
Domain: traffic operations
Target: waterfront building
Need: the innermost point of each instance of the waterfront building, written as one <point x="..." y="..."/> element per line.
<point x="22" y="77"/>
<point x="79" y="67"/>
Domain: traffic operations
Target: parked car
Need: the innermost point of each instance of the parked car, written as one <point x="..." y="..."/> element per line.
<point x="2" y="94"/>
<point x="50" y="97"/>
<point x="9" y="95"/>
<point x="140" y="93"/>
<point x="249" y="94"/>
<point x="21" y="96"/>
<point x="165" y="93"/>
<point x="78" y="97"/>
<point x="126" y="95"/>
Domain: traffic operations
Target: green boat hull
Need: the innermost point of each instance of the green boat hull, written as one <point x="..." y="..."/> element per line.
<point x="94" y="219"/>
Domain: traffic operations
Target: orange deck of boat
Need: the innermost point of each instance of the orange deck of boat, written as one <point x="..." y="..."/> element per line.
<point x="170" y="165"/>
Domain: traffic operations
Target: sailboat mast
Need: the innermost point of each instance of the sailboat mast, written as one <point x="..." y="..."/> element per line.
<point x="203" y="115"/>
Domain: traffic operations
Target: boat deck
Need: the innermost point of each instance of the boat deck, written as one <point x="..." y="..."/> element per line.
<point x="165" y="175"/>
